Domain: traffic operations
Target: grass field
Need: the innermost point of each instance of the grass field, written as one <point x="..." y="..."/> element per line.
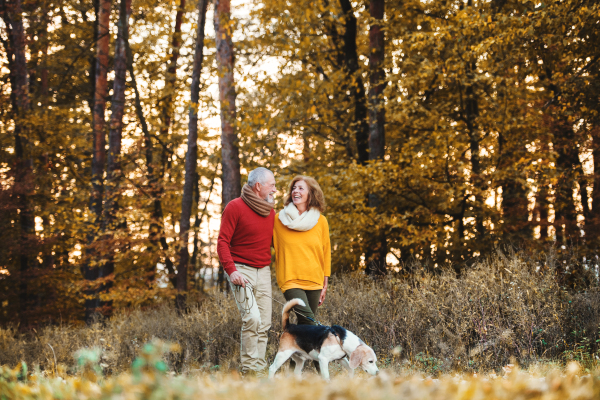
<point x="149" y="379"/>
<point x="436" y="335"/>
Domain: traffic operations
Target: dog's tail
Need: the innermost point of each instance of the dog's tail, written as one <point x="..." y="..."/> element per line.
<point x="285" y="315"/>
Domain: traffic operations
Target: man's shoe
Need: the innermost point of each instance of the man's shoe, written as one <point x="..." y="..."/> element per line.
<point x="263" y="373"/>
<point x="249" y="373"/>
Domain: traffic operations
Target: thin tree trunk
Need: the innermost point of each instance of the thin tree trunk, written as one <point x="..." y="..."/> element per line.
<point x="565" y="215"/>
<point x="542" y="210"/>
<point x="191" y="160"/>
<point x="171" y="76"/>
<point x="357" y="87"/>
<point x="199" y="218"/>
<point x="230" y="159"/>
<point x="566" y="164"/>
<point x="113" y="166"/>
<point x="471" y="112"/>
<point x="44" y="70"/>
<point x="13" y="19"/>
<point x="156" y="236"/>
<point x="92" y="273"/>
<point x="592" y="226"/>
<point x="155" y="179"/>
<point x="376" y="263"/>
<point x="92" y="84"/>
<point x="305" y="147"/>
<point x="377" y="82"/>
<point x="100" y="95"/>
<point x="585" y="205"/>
<point x="516" y="227"/>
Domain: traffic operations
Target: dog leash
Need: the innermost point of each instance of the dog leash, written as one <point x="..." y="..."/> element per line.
<point x="245" y="299"/>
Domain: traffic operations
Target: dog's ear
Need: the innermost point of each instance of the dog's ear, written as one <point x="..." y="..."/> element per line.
<point x="356" y="357"/>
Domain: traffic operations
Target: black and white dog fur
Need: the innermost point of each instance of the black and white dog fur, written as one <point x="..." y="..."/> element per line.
<point x="323" y="344"/>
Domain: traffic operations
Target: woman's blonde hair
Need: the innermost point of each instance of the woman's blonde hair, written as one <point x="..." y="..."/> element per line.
<point x="316" y="198"/>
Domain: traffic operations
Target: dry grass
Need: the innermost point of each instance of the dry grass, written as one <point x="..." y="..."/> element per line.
<point x="435" y="323"/>
<point x="147" y="379"/>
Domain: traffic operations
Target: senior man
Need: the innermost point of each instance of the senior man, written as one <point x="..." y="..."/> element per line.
<point x="244" y="248"/>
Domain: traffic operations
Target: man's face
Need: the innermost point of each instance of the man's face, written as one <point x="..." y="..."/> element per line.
<point x="267" y="189"/>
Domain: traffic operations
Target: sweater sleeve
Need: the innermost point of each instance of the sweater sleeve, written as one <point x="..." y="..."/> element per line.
<point x="326" y="249"/>
<point x="228" y="224"/>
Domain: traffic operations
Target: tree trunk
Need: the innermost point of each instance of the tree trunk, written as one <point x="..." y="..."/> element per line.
<point x="592" y="232"/>
<point x="155" y="178"/>
<point x="156" y="236"/>
<point x="230" y="159"/>
<point x="92" y="93"/>
<point x="191" y="160"/>
<point x="13" y="19"/>
<point x="100" y="95"/>
<point x="357" y="86"/>
<point x="376" y="263"/>
<point x="471" y="112"/>
<point x="516" y="226"/>
<point x="90" y="272"/>
<point x="171" y="76"/>
<point x="542" y="208"/>
<point x="565" y="220"/>
<point x="113" y="166"/>
<point x="45" y="41"/>
<point x="199" y="218"/>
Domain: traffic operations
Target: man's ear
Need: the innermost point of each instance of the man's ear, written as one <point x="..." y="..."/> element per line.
<point x="356" y="357"/>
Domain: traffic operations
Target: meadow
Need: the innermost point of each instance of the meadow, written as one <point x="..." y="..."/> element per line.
<point x="151" y="382"/>
<point x="434" y="333"/>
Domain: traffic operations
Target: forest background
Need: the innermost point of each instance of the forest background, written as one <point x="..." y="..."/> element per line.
<point x="439" y="131"/>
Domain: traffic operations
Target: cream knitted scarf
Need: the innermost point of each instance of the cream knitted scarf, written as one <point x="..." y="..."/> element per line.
<point x="258" y="205"/>
<point x="291" y="218"/>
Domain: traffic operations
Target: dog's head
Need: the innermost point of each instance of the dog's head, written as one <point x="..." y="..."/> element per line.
<point x="364" y="357"/>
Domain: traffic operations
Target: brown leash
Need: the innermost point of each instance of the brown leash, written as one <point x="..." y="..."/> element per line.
<point x="254" y="290"/>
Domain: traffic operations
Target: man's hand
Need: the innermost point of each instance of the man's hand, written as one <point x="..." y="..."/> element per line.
<point x="238" y="279"/>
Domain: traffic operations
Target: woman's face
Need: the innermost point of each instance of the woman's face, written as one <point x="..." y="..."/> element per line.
<point x="300" y="193"/>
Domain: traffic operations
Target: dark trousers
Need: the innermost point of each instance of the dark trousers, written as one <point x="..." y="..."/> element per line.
<point x="310" y="298"/>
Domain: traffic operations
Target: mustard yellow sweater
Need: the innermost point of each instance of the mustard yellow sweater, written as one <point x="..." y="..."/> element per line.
<point x="303" y="259"/>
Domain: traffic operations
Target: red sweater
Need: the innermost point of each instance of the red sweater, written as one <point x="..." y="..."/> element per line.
<point x="245" y="237"/>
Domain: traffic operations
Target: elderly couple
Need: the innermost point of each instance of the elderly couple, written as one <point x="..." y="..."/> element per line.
<point x="300" y="236"/>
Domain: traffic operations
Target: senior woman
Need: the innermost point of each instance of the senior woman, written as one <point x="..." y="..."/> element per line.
<point x="302" y="247"/>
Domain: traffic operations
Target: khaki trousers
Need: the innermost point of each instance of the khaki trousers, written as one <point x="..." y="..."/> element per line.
<point x="256" y="316"/>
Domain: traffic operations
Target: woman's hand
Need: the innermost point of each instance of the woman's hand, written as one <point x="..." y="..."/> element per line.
<point x="323" y="291"/>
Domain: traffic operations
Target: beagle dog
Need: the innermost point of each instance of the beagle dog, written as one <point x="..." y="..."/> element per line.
<point x="323" y="344"/>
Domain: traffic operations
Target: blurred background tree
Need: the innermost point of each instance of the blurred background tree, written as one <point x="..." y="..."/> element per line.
<point x="438" y="130"/>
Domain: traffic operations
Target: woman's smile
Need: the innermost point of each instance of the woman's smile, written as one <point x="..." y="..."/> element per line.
<point x="300" y="193"/>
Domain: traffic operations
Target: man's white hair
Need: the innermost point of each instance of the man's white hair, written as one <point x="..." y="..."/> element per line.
<point x="258" y="175"/>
